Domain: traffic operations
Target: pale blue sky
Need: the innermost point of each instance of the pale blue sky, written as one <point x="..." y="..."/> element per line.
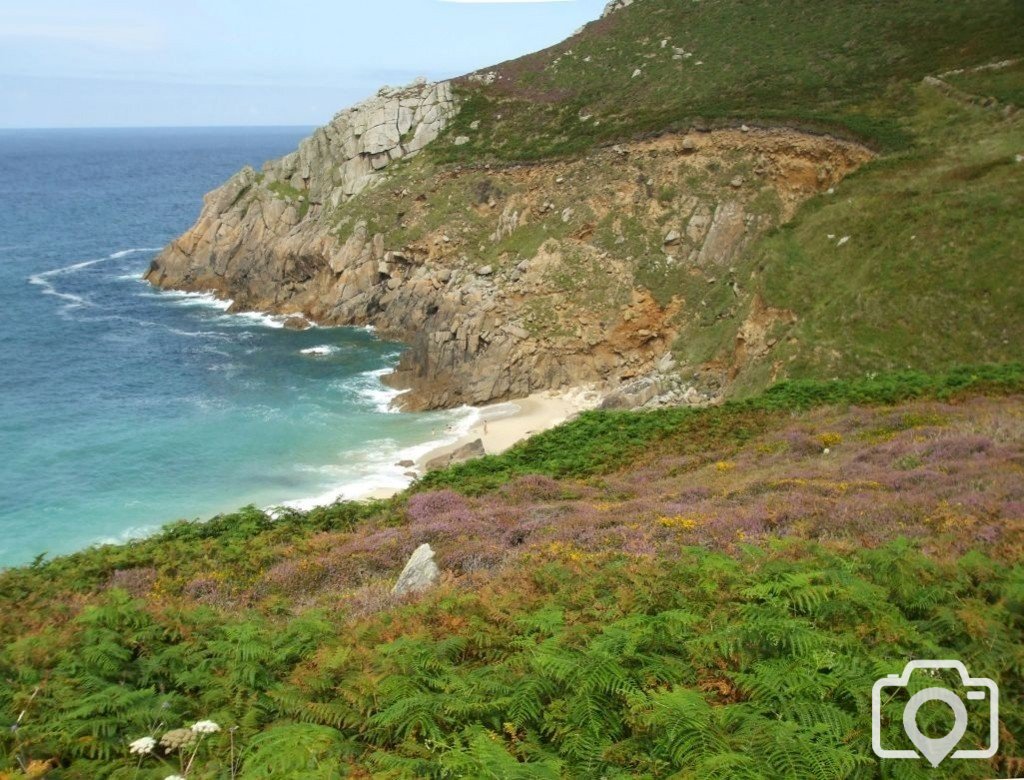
<point x="127" y="63"/>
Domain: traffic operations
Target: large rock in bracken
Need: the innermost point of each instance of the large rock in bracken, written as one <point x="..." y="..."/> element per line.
<point x="419" y="573"/>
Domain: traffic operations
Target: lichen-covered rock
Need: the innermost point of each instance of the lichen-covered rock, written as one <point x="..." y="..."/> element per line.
<point x="343" y="157"/>
<point x="419" y="574"/>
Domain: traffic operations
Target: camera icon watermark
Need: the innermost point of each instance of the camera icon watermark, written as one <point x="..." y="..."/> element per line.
<point x="936" y="750"/>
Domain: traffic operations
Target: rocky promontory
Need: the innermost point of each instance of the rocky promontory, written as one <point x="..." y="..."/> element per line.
<point x="505" y="279"/>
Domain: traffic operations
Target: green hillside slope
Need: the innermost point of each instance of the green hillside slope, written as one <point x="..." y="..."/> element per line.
<point x="843" y="67"/>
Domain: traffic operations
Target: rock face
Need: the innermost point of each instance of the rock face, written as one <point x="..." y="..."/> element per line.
<point x="615" y="5"/>
<point x="342" y="158"/>
<point x="419" y="573"/>
<point x="334" y="164"/>
<point x="501" y="281"/>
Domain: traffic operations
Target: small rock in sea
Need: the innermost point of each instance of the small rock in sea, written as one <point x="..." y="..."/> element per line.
<point x="419" y="573"/>
<point x="296" y="323"/>
<point x="405" y="464"/>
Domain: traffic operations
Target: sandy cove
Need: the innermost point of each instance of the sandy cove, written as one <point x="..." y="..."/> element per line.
<point x="500" y="426"/>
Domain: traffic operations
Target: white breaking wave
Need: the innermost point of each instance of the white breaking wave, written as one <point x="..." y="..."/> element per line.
<point x="375" y="469"/>
<point x="182" y="298"/>
<point x="126" y="252"/>
<point x="211" y="301"/>
<point x="43" y="278"/>
<point x="128" y="535"/>
<point x="368" y="387"/>
<point x="257" y="318"/>
<point x="319" y="351"/>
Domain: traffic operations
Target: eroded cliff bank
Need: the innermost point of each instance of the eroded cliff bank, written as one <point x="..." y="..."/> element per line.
<point x="504" y="280"/>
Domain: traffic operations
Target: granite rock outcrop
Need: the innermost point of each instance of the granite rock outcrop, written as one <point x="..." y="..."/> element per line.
<point x="502" y="280"/>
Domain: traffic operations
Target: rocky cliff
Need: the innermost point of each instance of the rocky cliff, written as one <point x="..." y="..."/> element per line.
<point x="605" y="210"/>
<point x="503" y="280"/>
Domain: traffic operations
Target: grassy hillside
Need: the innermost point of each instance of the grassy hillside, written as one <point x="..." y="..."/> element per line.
<point x="843" y="67"/>
<point x="913" y="261"/>
<point x="704" y="592"/>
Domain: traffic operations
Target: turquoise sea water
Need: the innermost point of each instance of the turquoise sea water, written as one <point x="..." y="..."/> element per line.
<point x="123" y="407"/>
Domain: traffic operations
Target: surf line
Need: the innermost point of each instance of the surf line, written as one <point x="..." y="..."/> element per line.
<point x="43" y="278"/>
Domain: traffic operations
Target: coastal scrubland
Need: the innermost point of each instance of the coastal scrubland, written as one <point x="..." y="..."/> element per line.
<point x="708" y="592"/>
<point x="679" y="592"/>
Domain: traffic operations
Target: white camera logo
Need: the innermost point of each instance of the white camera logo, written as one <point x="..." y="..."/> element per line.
<point x="936" y="750"/>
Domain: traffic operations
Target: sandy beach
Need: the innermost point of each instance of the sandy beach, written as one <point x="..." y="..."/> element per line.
<point x="499" y="426"/>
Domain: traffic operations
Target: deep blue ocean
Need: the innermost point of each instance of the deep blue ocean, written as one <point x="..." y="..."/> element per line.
<point x="123" y="407"/>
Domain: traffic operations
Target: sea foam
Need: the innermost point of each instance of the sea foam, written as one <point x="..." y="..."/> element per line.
<point x="319" y="351"/>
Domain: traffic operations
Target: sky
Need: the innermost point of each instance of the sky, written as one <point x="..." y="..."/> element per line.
<point x="169" y="63"/>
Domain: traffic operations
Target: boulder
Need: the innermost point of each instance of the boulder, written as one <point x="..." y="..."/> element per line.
<point x="419" y="574"/>
<point x="474" y="449"/>
<point x="633" y="394"/>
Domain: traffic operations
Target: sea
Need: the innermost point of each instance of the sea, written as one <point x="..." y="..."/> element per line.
<point x="123" y="407"/>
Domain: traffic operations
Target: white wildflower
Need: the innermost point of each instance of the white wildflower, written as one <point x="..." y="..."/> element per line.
<point x="142" y="746"/>
<point x="174" y="777"/>
<point x="205" y="727"/>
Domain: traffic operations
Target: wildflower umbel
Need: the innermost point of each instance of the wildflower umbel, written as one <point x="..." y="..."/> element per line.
<point x="142" y="746"/>
<point x="175" y="739"/>
<point x="205" y="727"/>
